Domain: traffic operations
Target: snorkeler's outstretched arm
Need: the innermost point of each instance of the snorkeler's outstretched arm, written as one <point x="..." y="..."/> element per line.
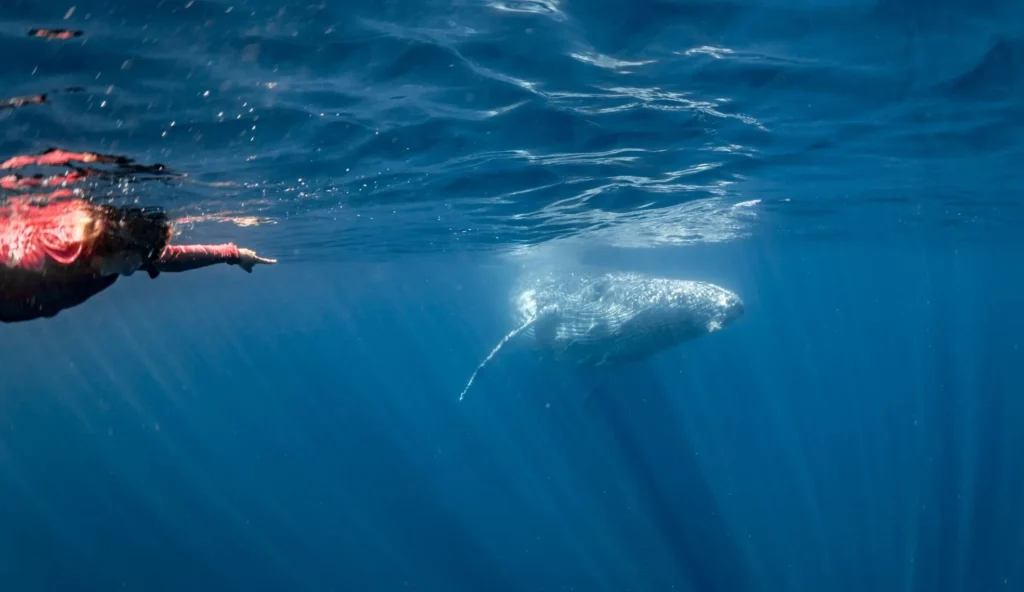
<point x="187" y="257"/>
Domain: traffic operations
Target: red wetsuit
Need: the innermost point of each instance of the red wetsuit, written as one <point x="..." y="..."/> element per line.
<point x="48" y="258"/>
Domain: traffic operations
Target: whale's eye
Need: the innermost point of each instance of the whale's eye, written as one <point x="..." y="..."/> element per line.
<point x="598" y="289"/>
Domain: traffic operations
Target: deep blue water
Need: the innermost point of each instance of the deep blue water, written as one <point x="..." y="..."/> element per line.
<point x="851" y="169"/>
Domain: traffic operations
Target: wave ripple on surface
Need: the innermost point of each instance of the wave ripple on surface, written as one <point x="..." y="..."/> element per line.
<point x="404" y="127"/>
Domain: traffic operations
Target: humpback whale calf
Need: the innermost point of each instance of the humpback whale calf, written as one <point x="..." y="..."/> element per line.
<point x="590" y="319"/>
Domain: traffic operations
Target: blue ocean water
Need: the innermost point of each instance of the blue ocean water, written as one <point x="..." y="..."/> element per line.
<point x="850" y="168"/>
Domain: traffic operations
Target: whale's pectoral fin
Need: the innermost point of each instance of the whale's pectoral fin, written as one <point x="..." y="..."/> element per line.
<point x="512" y="334"/>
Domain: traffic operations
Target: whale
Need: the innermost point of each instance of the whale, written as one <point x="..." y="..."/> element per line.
<point x="592" y="319"/>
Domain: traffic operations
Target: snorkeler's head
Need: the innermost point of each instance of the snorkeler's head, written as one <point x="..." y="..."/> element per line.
<point x="142" y="231"/>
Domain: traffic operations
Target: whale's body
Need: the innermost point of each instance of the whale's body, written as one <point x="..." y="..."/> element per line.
<point x="592" y="319"/>
<point x="608" y="318"/>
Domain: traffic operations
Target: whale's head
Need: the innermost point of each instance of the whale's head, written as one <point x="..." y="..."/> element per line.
<point x="668" y="305"/>
<point x="726" y="306"/>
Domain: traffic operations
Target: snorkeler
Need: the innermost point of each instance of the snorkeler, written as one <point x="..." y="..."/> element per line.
<point x="59" y="254"/>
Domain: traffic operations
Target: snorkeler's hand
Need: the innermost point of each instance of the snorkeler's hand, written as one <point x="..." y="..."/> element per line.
<point x="248" y="258"/>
